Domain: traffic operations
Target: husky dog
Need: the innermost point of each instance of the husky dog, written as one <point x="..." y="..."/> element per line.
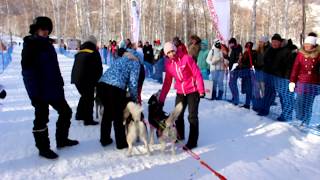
<point x="99" y="108"/>
<point x="135" y="127"/>
<point x="168" y="130"/>
<point x="156" y="116"/>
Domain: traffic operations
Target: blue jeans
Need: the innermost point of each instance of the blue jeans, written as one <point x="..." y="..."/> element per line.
<point x="217" y="78"/>
<point x="149" y="69"/>
<point x="234" y="75"/>
<point x="286" y="97"/>
<point x="269" y="95"/>
<point x="246" y="85"/>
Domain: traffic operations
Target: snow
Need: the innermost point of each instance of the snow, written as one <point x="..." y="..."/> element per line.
<point x="233" y="141"/>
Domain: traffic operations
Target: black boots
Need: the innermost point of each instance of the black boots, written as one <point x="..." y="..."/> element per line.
<point x="90" y="122"/>
<point x="49" y="154"/>
<point x="41" y="138"/>
<point x="66" y="142"/>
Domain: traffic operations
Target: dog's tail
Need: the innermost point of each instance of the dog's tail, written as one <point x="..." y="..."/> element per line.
<point x="176" y="112"/>
<point x="135" y="110"/>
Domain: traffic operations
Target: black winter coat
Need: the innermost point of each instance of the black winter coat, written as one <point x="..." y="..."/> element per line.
<point x="278" y="62"/>
<point x="148" y="53"/>
<point x="87" y="67"/>
<point x="234" y="55"/>
<point x="40" y="69"/>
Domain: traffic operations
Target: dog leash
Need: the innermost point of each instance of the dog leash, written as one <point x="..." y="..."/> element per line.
<point x="191" y="153"/>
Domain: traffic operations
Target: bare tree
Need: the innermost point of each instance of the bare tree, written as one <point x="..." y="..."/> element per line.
<point x="254" y="23"/>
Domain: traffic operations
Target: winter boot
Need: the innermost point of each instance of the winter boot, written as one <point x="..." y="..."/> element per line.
<point x="62" y="131"/>
<point x="90" y="122"/>
<point x="49" y="154"/>
<point x="214" y="95"/>
<point x="220" y="94"/>
<point x="66" y="142"/>
<point x="41" y="138"/>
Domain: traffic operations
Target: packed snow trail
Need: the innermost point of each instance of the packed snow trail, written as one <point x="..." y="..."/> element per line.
<point x="233" y="140"/>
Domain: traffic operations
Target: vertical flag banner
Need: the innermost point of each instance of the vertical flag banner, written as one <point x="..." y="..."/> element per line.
<point x="220" y="16"/>
<point x="135" y="20"/>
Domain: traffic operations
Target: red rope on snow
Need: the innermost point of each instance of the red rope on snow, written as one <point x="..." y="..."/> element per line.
<point x="194" y="155"/>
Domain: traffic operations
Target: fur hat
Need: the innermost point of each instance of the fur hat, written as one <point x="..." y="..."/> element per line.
<point x="310" y="40"/>
<point x="169" y="46"/>
<point x="41" y="22"/>
<point x="276" y="37"/>
<point x="92" y="39"/>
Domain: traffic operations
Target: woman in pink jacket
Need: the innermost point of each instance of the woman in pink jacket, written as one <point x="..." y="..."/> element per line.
<point x="190" y="87"/>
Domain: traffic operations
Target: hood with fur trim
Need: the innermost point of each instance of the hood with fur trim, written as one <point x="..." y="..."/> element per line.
<point x="311" y="54"/>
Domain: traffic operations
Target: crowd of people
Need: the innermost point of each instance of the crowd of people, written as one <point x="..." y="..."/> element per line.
<point x="272" y="68"/>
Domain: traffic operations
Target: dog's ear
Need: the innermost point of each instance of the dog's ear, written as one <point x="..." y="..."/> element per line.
<point x="175" y="113"/>
<point x="152" y="100"/>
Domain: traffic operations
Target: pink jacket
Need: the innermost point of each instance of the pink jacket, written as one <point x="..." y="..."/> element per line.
<point x="188" y="78"/>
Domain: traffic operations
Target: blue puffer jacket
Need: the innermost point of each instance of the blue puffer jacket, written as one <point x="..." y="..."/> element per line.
<point x="40" y="69"/>
<point x="123" y="73"/>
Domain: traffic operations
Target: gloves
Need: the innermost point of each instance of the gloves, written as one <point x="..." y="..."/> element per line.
<point x="252" y="68"/>
<point x="292" y="85"/>
<point x="234" y="66"/>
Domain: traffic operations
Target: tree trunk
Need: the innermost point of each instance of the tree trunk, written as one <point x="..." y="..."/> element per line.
<point x="205" y="18"/>
<point x="254" y="24"/>
<point x="65" y="19"/>
<point x="185" y="21"/>
<point x="122" y="20"/>
<point x="303" y="3"/>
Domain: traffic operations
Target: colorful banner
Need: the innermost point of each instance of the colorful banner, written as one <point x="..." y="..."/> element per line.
<point x="220" y="16"/>
<point x="135" y="20"/>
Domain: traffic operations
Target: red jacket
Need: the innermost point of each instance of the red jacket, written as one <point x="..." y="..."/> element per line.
<point x="187" y="75"/>
<point x="306" y="68"/>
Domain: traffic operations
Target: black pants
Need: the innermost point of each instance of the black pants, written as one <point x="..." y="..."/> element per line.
<point x="114" y="101"/>
<point x="86" y="102"/>
<point x="42" y="118"/>
<point x="192" y="100"/>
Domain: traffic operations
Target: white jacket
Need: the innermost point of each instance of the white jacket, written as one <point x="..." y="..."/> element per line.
<point x="215" y="59"/>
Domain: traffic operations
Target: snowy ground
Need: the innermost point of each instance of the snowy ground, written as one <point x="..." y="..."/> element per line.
<point x="233" y="141"/>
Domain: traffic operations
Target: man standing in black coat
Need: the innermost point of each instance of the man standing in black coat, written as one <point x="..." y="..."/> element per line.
<point x="278" y="63"/>
<point x="86" y="71"/>
<point x="44" y="84"/>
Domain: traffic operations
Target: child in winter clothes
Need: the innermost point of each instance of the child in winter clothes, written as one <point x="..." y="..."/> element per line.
<point x="190" y="87"/>
<point x="305" y="79"/>
<point x="201" y="62"/>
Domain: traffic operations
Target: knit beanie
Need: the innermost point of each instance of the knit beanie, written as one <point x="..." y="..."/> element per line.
<point x="310" y="40"/>
<point x="169" y="46"/>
